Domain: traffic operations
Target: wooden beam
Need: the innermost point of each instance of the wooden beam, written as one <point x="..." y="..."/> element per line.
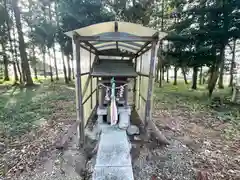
<point x="79" y="98"/>
<point x="87" y="49"/>
<point x="114" y="54"/>
<point x="77" y="37"/>
<point x="116" y="36"/>
<point x="144" y="75"/>
<point x="129" y="43"/>
<point x="87" y="98"/>
<point x="143" y="98"/>
<point x="88" y="79"/>
<point x="139" y="51"/>
<point x="91" y="46"/>
<point x="119" y="45"/>
<point x="142" y="51"/>
<point x="148" y="48"/>
<point x="150" y="85"/>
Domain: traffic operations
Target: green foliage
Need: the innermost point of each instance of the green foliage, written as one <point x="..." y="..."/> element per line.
<point x="197" y="103"/>
<point x="202" y="29"/>
<point x="22" y="109"/>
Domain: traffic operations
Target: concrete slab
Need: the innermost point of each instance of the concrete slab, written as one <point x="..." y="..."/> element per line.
<point x="114" y="148"/>
<point x="113" y="157"/>
<point x="113" y="173"/>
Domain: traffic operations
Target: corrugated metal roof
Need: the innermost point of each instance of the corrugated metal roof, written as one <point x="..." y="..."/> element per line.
<point x="123" y="28"/>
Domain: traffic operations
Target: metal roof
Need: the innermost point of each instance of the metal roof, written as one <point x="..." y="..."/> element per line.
<point x="123" y="28"/>
<point x="113" y="67"/>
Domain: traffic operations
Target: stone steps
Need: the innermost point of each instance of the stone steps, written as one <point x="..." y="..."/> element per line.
<point x="113" y="156"/>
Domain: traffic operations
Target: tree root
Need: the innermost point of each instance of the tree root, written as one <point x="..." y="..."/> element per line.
<point x="153" y="129"/>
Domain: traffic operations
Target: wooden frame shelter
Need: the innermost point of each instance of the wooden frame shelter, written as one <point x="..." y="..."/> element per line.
<point x="115" y="41"/>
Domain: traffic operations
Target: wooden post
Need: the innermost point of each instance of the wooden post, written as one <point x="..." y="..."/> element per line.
<point x="139" y="84"/>
<point x="126" y="95"/>
<point x="150" y="85"/>
<point x="135" y="86"/>
<point x="91" y="88"/>
<point x="97" y="93"/>
<point x="79" y="98"/>
<point x="148" y="109"/>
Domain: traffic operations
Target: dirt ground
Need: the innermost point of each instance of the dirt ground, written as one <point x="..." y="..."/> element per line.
<point x="198" y="149"/>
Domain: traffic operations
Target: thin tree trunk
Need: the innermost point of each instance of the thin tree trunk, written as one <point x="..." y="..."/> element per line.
<point x="5" y="62"/>
<point x="22" y="45"/>
<point x="157" y="72"/>
<point x="220" y="81"/>
<point x="15" y="72"/>
<point x="35" y="65"/>
<point x="214" y="74"/>
<point x="160" y="73"/>
<point x="35" y="72"/>
<point x="16" y="55"/>
<point x="167" y="75"/>
<point x="64" y="69"/>
<point x="44" y="62"/>
<point x="54" y="51"/>
<point x="175" y="75"/>
<point x="201" y="76"/>
<point x="50" y="60"/>
<point x="184" y="75"/>
<point x="30" y="8"/>
<point x="194" y="78"/>
<point x="20" y="72"/>
<point x="163" y="78"/>
<point x="232" y="64"/>
<point x="55" y="62"/>
<point x="69" y="68"/>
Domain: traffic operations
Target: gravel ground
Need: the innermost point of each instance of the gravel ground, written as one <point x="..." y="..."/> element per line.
<point x="150" y="161"/>
<point x="163" y="163"/>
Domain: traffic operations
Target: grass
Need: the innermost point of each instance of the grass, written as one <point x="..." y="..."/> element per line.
<point x="182" y="98"/>
<point x="23" y="109"/>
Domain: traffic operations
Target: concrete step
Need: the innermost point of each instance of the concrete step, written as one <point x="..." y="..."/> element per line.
<point x="113" y="157"/>
<point x="110" y="173"/>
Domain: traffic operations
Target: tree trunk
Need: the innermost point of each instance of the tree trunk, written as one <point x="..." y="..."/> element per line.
<point x="163" y="78"/>
<point x="220" y="81"/>
<point x="30" y="8"/>
<point x="201" y="76"/>
<point x="157" y="73"/>
<point x="184" y="75"/>
<point x="44" y="62"/>
<point x="167" y="75"/>
<point x="157" y="133"/>
<point x="64" y="69"/>
<point x="194" y="78"/>
<point x="6" y="78"/>
<point x="160" y="73"/>
<point x="69" y="68"/>
<point x="35" y="65"/>
<point x="16" y="56"/>
<point x="35" y="72"/>
<point x="20" y="72"/>
<point x="55" y="62"/>
<point x="232" y="64"/>
<point x="15" y="72"/>
<point x="50" y="66"/>
<point x="175" y="75"/>
<point x="22" y="45"/>
<point x="5" y="62"/>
